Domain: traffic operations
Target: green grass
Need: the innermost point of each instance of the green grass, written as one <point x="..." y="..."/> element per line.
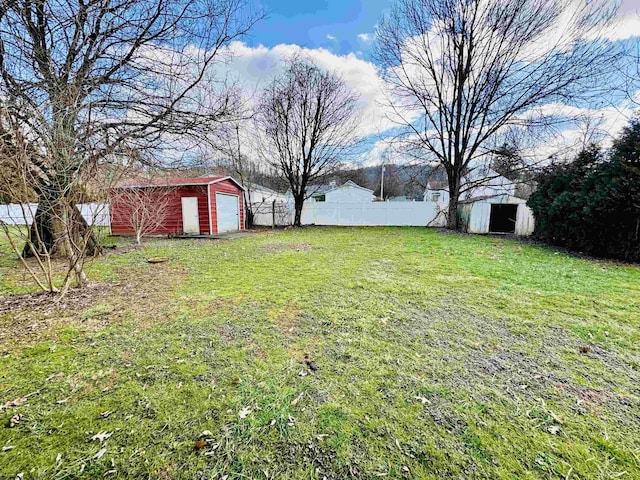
<point x="440" y="356"/>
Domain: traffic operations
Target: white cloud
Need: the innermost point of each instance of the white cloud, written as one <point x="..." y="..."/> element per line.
<point x="621" y="29"/>
<point x="365" y="37"/>
<point x="607" y="122"/>
<point x="254" y="67"/>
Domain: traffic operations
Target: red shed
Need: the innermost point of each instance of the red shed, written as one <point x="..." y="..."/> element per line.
<point x="192" y="206"/>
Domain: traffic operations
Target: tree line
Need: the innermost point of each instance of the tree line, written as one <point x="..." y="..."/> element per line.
<point x="592" y="203"/>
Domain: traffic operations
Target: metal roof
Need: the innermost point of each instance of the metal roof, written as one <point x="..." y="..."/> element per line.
<point x="181" y="182"/>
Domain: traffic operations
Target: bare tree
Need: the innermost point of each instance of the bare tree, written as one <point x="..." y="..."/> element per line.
<point x="238" y="148"/>
<point x="629" y="73"/>
<point x="17" y="177"/>
<point x="461" y="72"/>
<point x="143" y="209"/>
<point x="309" y="118"/>
<point x="90" y="81"/>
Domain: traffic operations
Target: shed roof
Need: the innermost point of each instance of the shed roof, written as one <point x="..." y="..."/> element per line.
<point x="180" y="182"/>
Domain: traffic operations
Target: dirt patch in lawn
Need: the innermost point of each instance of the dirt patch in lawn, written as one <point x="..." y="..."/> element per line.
<point x="48" y="303"/>
<point x="286" y="320"/>
<point x="543" y="363"/>
<point x="142" y="295"/>
<point x="288" y="247"/>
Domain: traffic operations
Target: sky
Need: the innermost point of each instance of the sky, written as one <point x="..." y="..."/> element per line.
<point x="339" y="34"/>
<point x="340" y="26"/>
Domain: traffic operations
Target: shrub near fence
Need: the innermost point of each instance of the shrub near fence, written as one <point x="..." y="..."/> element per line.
<point x="593" y="203"/>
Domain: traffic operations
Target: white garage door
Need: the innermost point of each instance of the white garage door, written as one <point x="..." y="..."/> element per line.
<point x="228" y="213"/>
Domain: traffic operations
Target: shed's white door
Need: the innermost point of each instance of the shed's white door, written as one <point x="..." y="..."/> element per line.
<point x="190" y="219"/>
<point x="228" y="213"/>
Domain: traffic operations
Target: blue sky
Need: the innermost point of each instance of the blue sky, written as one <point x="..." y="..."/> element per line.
<point x="338" y="35"/>
<point x="331" y="24"/>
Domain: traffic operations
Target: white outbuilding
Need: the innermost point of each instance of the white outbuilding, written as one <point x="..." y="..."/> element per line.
<point x="334" y="193"/>
<point x="504" y="214"/>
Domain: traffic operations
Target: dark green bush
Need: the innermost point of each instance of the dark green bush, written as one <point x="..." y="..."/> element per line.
<point x="593" y="203"/>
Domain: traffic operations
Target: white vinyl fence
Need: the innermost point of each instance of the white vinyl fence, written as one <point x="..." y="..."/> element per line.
<point x="272" y="214"/>
<point x="417" y="214"/>
<point x="96" y="214"/>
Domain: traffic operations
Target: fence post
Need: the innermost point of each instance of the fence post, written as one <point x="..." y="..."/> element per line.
<point x="273" y="214"/>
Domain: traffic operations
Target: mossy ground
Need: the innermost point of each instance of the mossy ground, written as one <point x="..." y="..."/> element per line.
<point x="433" y="356"/>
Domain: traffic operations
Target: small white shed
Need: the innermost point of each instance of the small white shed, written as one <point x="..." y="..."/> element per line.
<point x="502" y="214"/>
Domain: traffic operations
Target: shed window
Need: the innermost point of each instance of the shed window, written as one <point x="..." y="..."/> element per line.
<point x="435" y="196"/>
<point x="320" y="198"/>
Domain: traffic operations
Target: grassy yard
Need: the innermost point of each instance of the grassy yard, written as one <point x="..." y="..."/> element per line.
<point x="326" y="352"/>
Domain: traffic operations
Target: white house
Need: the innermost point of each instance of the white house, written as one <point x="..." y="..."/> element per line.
<point x="260" y="194"/>
<point x="480" y="183"/>
<point x="332" y="192"/>
<point x="437" y="191"/>
<point x="486" y="183"/>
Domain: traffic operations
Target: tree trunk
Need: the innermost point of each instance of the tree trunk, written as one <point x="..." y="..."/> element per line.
<point x="49" y="229"/>
<point x="248" y="210"/>
<point x="248" y="217"/>
<point x="298" y="203"/>
<point x="453" y="218"/>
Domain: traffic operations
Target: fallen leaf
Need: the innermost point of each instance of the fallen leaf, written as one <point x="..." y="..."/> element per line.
<point x="7" y="448"/>
<point x="553" y="429"/>
<point x="106" y="414"/>
<point x="101" y="436"/>
<point x="585" y="349"/>
<point x="295" y="401"/>
<point x="16" y="402"/>
<point x="200" y="444"/>
<point x="423" y="400"/>
<point x="99" y="455"/>
<point x="211" y="452"/>
<point x="15" y="420"/>
<point x="244" y="412"/>
<point x="58" y="459"/>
